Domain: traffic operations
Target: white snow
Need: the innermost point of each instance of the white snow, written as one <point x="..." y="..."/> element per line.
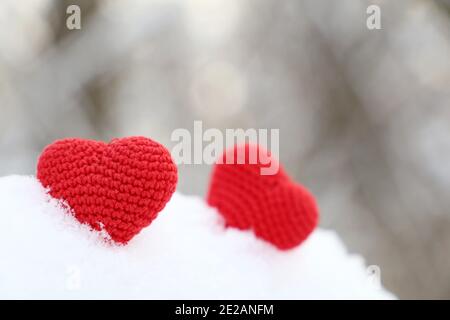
<point x="186" y="253"/>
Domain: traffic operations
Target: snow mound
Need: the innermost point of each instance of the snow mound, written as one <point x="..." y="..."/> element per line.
<point x="186" y="253"/>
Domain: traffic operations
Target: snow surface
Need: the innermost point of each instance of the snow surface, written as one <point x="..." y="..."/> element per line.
<point x="186" y="253"/>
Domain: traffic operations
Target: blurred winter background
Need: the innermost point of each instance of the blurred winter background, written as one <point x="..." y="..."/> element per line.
<point x="364" y="115"/>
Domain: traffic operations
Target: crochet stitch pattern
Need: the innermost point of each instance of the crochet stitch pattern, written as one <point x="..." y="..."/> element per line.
<point x="277" y="209"/>
<point x="119" y="187"/>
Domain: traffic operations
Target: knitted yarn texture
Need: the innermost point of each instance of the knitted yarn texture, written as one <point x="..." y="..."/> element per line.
<point x="276" y="208"/>
<point x="118" y="187"/>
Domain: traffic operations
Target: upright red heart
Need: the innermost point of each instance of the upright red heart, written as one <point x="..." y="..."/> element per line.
<point x="277" y="209"/>
<point x="119" y="187"/>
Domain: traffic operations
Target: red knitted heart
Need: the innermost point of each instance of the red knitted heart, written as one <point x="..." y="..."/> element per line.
<point x="277" y="209"/>
<point x="119" y="187"/>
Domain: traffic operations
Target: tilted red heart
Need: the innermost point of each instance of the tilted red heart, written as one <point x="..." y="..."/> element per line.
<point x="119" y="187"/>
<point x="277" y="209"/>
